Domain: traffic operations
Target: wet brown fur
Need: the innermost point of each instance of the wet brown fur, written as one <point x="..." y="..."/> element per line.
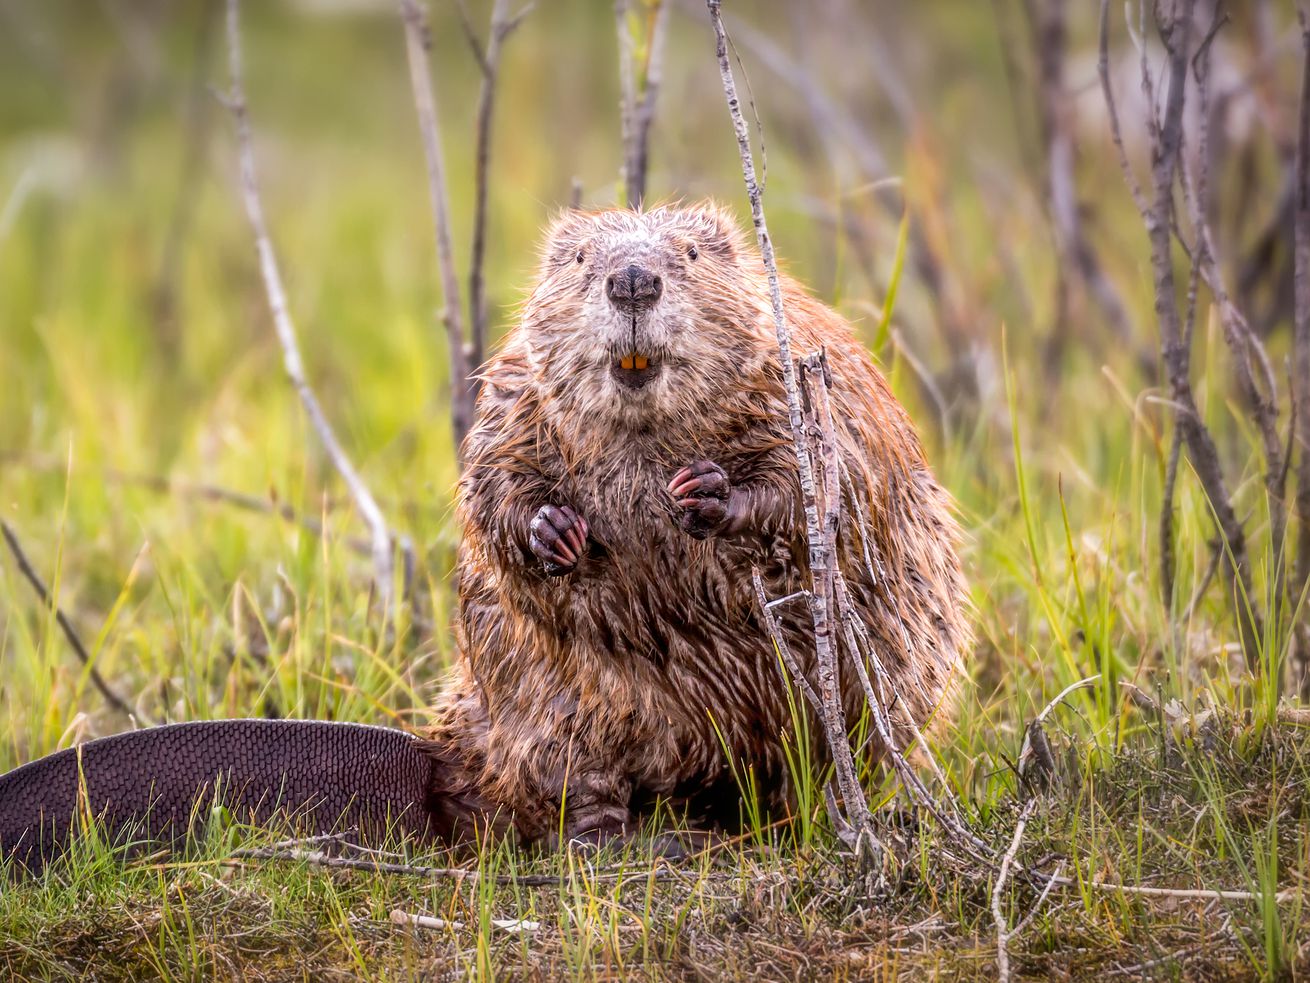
<point x="580" y="700"/>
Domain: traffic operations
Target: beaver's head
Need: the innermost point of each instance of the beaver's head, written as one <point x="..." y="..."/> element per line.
<point x="642" y="316"/>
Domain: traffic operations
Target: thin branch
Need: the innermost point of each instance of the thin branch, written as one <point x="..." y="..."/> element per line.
<point x="637" y="100"/>
<point x="1003" y="932"/>
<point x="1159" y="219"/>
<point x="1168" y="555"/>
<point x="268" y="504"/>
<point x="502" y="25"/>
<point x="821" y="559"/>
<point x="780" y="641"/>
<point x="1037" y="905"/>
<point x="880" y="707"/>
<point x="1116" y="133"/>
<point x="1301" y="347"/>
<point x="1285" y="896"/>
<point x="1003" y="875"/>
<point x="512" y="925"/>
<point x="840" y="133"/>
<point x="463" y="386"/>
<point x="1216" y="558"/>
<point x="29" y="572"/>
<point x="1260" y="395"/>
<point x="383" y="566"/>
<point x="652" y="79"/>
<point x="1076" y="254"/>
<point x="627" y="98"/>
<point x="320" y="858"/>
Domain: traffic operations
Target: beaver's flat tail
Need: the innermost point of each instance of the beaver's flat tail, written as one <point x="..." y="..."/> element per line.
<point x="151" y="785"/>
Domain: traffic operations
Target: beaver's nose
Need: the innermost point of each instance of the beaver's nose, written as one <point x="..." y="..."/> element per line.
<point x="633" y="289"/>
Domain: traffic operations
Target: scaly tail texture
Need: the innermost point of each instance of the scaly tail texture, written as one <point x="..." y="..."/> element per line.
<point x="149" y="785"/>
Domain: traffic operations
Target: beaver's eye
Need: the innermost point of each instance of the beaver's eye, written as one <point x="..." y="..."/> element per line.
<point x="693" y="252"/>
<point x="580" y="257"/>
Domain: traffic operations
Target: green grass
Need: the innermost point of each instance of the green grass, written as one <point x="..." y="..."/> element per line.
<point x="198" y="609"/>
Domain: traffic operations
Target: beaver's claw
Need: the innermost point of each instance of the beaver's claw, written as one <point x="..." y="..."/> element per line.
<point x="558" y="538"/>
<point x="700" y="493"/>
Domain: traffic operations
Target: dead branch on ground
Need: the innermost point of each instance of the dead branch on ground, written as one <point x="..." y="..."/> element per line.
<point x="381" y="536"/>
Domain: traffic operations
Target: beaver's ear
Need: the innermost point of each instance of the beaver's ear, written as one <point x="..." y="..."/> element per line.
<point x="715" y="229"/>
<point x="563" y="236"/>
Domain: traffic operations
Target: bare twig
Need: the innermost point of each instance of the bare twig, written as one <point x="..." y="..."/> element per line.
<point x="1077" y="256"/>
<point x="637" y="99"/>
<point x="29" y="572"/>
<point x="1159" y="219"/>
<point x="488" y="58"/>
<point x="1285" y="896"/>
<point x="1116" y="133"/>
<point x="1002" y="875"/>
<point x="463" y="385"/>
<point x="927" y="381"/>
<point x="268" y="504"/>
<point x="1260" y="390"/>
<point x="1216" y="558"/>
<point x="383" y="567"/>
<point x="820" y="553"/>
<point x="1301" y="356"/>
<point x="881" y="703"/>
<point x="399" y="916"/>
<point x="840" y="132"/>
<point x="780" y="642"/>
<point x="320" y="858"/>
<point x="627" y="99"/>
<point x="1168" y="555"/>
<point x="1003" y="932"/>
<point x="1037" y="905"/>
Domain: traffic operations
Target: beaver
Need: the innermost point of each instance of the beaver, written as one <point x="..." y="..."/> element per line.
<point x="631" y="463"/>
<point x="630" y="466"/>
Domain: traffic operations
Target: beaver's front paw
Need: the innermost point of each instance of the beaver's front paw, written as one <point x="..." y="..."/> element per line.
<point x="700" y="499"/>
<point x="558" y="538"/>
